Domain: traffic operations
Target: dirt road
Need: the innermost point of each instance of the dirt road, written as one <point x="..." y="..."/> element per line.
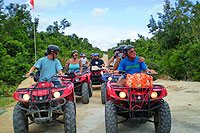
<point x="183" y="98"/>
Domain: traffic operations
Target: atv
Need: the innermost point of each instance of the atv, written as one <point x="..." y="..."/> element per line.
<point x="139" y="100"/>
<point x="105" y="77"/>
<point x="82" y="84"/>
<point x="96" y="74"/>
<point x="43" y="103"/>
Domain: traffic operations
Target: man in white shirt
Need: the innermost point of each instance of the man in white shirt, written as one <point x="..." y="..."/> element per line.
<point x="84" y="60"/>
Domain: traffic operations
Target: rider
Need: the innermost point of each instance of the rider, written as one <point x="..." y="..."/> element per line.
<point x="118" y="55"/>
<point x="91" y="56"/>
<point x="73" y="64"/>
<point x="84" y="60"/>
<point x="97" y="61"/>
<point x="131" y="64"/>
<point x="48" y="65"/>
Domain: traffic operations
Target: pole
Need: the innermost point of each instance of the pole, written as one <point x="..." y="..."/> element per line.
<point x="34" y="34"/>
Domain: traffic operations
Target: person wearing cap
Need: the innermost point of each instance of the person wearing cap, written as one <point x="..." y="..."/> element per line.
<point x="74" y="64"/>
<point x="91" y="56"/>
<point x="97" y="61"/>
<point x="131" y="64"/>
<point x="84" y="60"/>
<point x="118" y="55"/>
<point x="48" y="65"/>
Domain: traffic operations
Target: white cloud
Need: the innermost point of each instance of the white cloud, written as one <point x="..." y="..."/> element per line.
<point x="99" y="11"/>
<point x="147" y="10"/>
<point x="134" y="34"/>
<point x="104" y="37"/>
<point x="155" y="9"/>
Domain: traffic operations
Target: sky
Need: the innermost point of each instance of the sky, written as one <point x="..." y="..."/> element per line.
<point x="103" y="22"/>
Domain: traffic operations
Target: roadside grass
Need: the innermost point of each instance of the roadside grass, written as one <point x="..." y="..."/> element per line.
<point x="5" y="101"/>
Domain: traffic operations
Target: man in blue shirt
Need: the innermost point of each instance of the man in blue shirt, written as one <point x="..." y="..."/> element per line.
<point x="131" y="64"/>
<point x="48" y="65"/>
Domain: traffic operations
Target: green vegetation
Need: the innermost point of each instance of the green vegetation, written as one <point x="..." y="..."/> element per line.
<point x="17" y="45"/>
<point x="5" y="101"/>
<point x="173" y="50"/>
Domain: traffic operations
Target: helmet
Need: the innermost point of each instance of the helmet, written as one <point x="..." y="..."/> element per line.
<point x="96" y="54"/>
<point x="82" y="54"/>
<point x="116" y="49"/>
<point x="92" y="54"/>
<point x="121" y="48"/>
<point x="74" y="51"/>
<point x="127" y="48"/>
<point x="52" y="48"/>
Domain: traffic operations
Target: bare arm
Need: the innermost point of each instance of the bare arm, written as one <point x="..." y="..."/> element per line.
<point x="80" y="64"/>
<point x="67" y="65"/>
<point x="110" y="60"/>
<point x="141" y="59"/>
<point x="87" y="63"/>
<point x="60" y="72"/>
<point x="33" y="68"/>
<point x="151" y="71"/>
<point x="116" y="63"/>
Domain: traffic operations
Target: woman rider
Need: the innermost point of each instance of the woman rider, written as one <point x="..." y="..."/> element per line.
<point x="74" y="64"/>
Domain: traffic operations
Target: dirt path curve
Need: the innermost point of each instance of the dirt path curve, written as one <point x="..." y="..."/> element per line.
<point x="183" y="98"/>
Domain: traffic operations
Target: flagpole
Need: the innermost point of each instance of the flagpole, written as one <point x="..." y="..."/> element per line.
<point x="34" y="33"/>
<point x="34" y="30"/>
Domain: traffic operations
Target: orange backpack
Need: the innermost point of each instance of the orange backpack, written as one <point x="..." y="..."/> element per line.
<point x="139" y="80"/>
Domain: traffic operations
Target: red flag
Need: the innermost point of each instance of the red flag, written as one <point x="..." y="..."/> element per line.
<point x="32" y="3"/>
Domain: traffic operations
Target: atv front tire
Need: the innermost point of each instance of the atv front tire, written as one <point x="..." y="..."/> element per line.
<point x="91" y="90"/>
<point x="85" y="93"/>
<point x="20" y="120"/>
<point x="103" y="93"/>
<point x="111" y="118"/>
<point x="162" y="119"/>
<point x="69" y="117"/>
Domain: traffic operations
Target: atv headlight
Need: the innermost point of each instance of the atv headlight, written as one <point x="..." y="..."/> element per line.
<point x="26" y="97"/>
<point x="110" y="78"/>
<point x="77" y="79"/>
<point x="122" y="94"/>
<point x="154" y="94"/>
<point x="56" y="94"/>
<point x="101" y="72"/>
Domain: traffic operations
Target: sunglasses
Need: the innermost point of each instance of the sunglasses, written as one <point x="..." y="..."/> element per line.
<point x="75" y="55"/>
<point x="131" y="51"/>
<point x="56" y="53"/>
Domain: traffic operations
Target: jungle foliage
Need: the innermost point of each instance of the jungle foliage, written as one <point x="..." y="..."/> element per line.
<point x="173" y="50"/>
<point x="17" y="43"/>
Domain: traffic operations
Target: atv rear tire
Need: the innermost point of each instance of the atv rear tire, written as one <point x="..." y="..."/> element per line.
<point x="20" y="120"/>
<point x="69" y="117"/>
<point x="91" y="90"/>
<point x="103" y="93"/>
<point x="111" y="118"/>
<point x="85" y="93"/>
<point x="162" y="119"/>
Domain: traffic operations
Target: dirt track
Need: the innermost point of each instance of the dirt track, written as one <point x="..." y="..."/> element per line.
<point x="183" y="98"/>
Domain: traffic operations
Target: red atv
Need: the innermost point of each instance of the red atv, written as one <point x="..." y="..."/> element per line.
<point x="44" y="103"/>
<point x="82" y="84"/>
<point x="96" y="74"/>
<point x="139" y="100"/>
<point x="105" y="78"/>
